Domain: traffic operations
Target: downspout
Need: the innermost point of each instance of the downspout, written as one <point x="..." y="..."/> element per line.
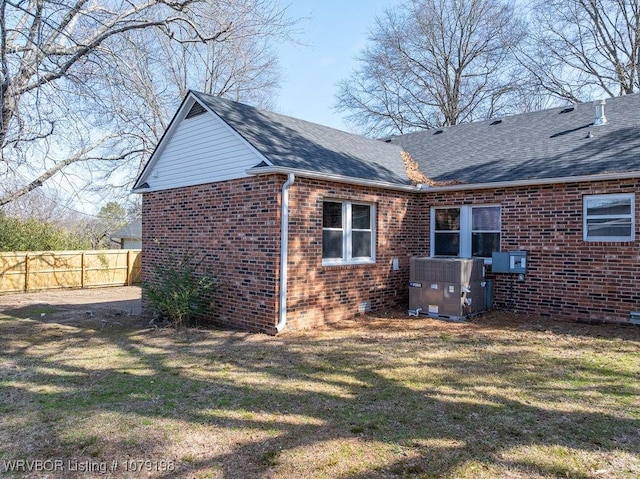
<point x="284" y="248"/>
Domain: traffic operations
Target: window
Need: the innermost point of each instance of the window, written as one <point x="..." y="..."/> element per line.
<point x="447" y="232"/>
<point x="465" y="231"/>
<point x="608" y="217"/>
<point x="347" y="233"/>
<point x="485" y="230"/>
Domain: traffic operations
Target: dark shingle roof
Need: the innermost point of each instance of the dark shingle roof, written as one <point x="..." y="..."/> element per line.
<point x="551" y="143"/>
<point x="293" y="143"/>
<point x="130" y="230"/>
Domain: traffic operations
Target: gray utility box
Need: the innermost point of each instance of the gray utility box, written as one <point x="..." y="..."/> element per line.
<point x="447" y="287"/>
<point x="509" y="262"/>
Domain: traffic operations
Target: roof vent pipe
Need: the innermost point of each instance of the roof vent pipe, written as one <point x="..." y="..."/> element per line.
<point x="601" y="119"/>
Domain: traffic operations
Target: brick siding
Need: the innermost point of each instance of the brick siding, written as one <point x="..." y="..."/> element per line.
<point x="236" y="225"/>
<point x="568" y="278"/>
<point x="321" y="294"/>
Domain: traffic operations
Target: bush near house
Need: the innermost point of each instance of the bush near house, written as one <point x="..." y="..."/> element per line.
<point x="179" y="292"/>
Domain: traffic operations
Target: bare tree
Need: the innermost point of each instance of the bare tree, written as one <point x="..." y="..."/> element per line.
<point x="45" y="204"/>
<point x="432" y="63"/>
<point x="582" y="48"/>
<point x="89" y="85"/>
<point x="243" y="67"/>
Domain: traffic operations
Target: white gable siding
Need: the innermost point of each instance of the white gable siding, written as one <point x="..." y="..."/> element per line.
<point x="130" y="243"/>
<point x="202" y="149"/>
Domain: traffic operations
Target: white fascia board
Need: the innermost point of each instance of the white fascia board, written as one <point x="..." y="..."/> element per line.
<point x="533" y="182"/>
<point x="428" y="189"/>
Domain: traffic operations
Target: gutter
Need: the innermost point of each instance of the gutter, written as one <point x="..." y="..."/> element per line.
<point x="424" y="188"/>
<point x="534" y="182"/>
<point x="284" y="249"/>
<point x="266" y="170"/>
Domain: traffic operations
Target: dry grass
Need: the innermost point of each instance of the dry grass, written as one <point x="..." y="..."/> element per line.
<point x="501" y="397"/>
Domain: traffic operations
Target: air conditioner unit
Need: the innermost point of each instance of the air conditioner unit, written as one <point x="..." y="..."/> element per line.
<point x="452" y="288"/>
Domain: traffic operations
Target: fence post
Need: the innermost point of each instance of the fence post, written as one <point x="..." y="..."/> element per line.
<point x="82" y="267"/>
<point x="26" y="272"/>
<point x="129" y="270"/>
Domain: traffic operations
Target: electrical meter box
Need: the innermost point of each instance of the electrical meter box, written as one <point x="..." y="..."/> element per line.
<point x="509" y="262"/>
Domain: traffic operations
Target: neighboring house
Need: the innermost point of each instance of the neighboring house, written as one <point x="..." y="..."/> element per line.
<point x="307" y="224"/>
<point x="129" y="236"/>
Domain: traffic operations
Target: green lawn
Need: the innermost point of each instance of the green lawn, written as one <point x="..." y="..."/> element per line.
<point x="500" y="397"/>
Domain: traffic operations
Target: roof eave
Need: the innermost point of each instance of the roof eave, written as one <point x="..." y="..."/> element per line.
<point x="459" y="187"/>
<point x="268" y="170"/>
<point x="534" y="182"/>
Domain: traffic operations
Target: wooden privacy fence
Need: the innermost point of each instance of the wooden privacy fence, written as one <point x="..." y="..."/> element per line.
<point x="38" y="270"/>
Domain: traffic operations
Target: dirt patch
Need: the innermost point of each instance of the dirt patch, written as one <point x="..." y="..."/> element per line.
<point x="104" y="306"/>
<point x="396" y="323"/>
<point x="114" y="305"/>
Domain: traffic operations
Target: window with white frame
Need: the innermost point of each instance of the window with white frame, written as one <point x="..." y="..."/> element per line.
<point x="348" y="232"/>
<point x="465" y="231"/>
<point x="608" y="217"/>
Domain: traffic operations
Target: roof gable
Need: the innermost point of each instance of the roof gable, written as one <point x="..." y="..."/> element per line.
<point x="293" y="143"/>
<point x="197" y="148"/>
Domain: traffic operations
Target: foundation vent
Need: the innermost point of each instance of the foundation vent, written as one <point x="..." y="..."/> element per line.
<point x="364" y="307"/>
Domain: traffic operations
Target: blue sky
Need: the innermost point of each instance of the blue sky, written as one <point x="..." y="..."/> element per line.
<point x="334" y="33"/>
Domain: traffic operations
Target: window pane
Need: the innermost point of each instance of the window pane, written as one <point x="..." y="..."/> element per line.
<point x="331" y="244"/>
<point x="609" y="227"/>
<point x="361" y="244"/>
<point x="608" y="206"/>
<point x="447" y="244"/>
<point x="361" y="217"/>
<point x="331" y="215"/>
<point x="484" y="244"/>
<point x="485" y="218"/>
<point x="447" y="219"/>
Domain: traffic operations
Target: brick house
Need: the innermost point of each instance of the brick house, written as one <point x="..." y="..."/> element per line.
<point x="307" y="224"/>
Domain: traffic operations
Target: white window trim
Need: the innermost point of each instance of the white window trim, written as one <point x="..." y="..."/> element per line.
<point x="609" y="239"/>
<point x="465" y="231"/>
<point x="347" y="235"/>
